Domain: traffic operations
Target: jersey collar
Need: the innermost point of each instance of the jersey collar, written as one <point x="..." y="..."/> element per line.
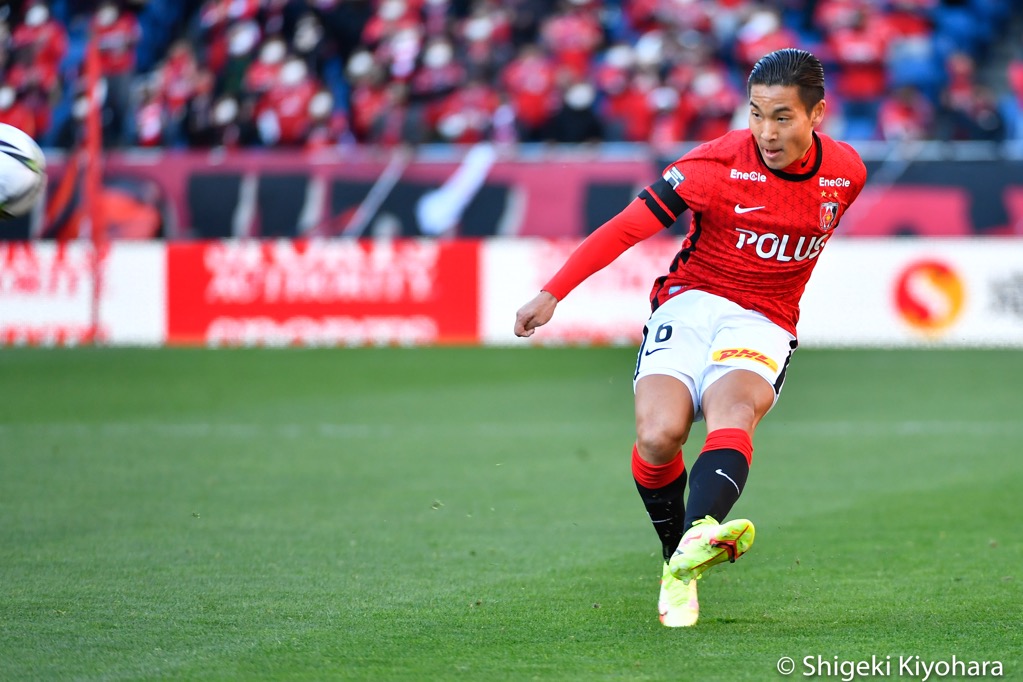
<point x="796" y="177"/>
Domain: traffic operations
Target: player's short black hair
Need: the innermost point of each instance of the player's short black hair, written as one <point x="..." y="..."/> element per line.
<point x="790" y="66"/>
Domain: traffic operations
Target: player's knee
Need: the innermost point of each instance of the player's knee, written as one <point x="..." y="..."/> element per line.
<point x="739" y="415"/>
<point x="659" y="441"/>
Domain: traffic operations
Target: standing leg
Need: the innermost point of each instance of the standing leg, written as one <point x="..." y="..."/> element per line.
<point x="664" y="415"/>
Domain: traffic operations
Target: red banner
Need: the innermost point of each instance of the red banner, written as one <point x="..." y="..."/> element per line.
<point x="323" y="293"/>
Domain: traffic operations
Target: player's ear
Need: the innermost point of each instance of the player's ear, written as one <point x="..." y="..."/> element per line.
<point x="817" y="113"/>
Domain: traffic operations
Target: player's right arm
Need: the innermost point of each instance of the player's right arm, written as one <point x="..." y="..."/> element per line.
<point x="536" y="313"/>
<point x="656" y="208"/>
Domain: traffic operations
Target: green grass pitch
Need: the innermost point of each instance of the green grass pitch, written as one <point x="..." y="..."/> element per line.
<point x="468" y="514"/>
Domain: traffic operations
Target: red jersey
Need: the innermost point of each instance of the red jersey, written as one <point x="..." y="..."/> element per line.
<point x="117" y="44"/>
<point x="755" y="233"/>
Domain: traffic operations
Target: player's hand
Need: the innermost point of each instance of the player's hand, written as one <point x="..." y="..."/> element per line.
<point x="536" y="313"/>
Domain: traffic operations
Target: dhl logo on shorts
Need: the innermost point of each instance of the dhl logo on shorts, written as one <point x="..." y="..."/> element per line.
<point x="745" y="354"/>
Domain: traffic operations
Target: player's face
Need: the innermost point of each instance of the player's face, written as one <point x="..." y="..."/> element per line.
<point x="780" y="123"/>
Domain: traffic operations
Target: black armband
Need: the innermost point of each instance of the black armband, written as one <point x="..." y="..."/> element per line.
<point x="663" y="202"/>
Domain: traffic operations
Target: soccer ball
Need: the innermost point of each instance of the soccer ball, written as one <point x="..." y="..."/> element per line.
<point x="22" y="171"/>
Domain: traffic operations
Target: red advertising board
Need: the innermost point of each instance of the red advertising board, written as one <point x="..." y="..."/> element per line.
<point x="323" y="293"/>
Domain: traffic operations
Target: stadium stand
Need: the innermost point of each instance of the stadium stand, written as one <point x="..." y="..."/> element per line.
<point x="310" y="73"/>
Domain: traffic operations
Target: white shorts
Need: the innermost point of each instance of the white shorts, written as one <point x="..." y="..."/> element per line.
<point x="698" y="338"/>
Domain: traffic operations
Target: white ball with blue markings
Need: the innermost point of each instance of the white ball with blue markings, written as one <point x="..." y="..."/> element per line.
<point x="22" y="171"/>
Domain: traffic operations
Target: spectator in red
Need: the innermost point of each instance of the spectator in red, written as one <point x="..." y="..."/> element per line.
<point x="860" y="51"/>
<point x="215" y="19"/>
<point x="910" y="18"/>
<point x="175" y="80"/>
<point x="713" y="99"/>
<point x="960" y="70"/>
<point x="116" y="34"/>
<point x="400" y="53"/>
<point x="642" y="15"/>
<point x="906" y="115"/>
<point x="623" y="102"/>
<point x="391" y="17"/>
<point x="328" y="124"/>
<point x="437" y="77"/>
<point x="265" y="70"/>
<point x="486" y="35"/>
<point x="149" y="119"/>
<point x="368" y="96"/>
<point x="37" y="47"/>
<point x="670" y="121"/>
<point x="762" y="33"/>
<point x="282" y="115"/>
<point x="832" y="15"/>
<point x="15" y="112"/>
<point x="468" y="113"/>
<point x="42" y="37"/>
<point x="572" y="36"/>
<point x="968" y="111"/>
<point x="529" y="81"/>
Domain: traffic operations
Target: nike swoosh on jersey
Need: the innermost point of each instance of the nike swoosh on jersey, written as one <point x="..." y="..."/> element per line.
<point x="744" y="209"/>
<point x="651" y="352"/>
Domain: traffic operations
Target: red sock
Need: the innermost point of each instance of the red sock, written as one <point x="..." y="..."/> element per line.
<point x="662" y="488"/>
<point x="730" y="439"/>
<point x="655" y="476"/>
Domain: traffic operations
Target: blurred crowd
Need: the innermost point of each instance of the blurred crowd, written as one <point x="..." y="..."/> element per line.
<point x="316" y="73"/>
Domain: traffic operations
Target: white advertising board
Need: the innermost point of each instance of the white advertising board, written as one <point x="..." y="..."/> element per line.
<point x="913" y="292"/>
<point x="863" y="293"/>
<point x="47" y="294"/>
<point x="610" y="307"/>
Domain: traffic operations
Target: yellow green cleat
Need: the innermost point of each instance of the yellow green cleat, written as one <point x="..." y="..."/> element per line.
<point x="677" y="604"/>
<point x="707" y="544"/>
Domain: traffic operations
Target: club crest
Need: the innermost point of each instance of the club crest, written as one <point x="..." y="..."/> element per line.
<point x="829" y="215"/>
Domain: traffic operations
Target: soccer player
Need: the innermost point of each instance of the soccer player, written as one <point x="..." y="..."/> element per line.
<point x="716" y="347"/>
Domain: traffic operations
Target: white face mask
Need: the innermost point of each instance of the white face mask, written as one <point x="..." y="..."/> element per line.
<point x="106" y="15"/>
<point x="243" y="39"/>
<point x="37" y="16"/>
<point x="707" y="84"/>
<point x="320" y="105"/>
<point x="479" y="29"/>
<point x="664" y="98"/>
<point x="579" y="96"/>
<point x="437" y="55"/>
<point x="80" y="108"/>
<point x="307" y="34"/>
<point x="392" y="10"/>
<point x="293" y="73"/>
<point x="620" y="57"/>
<point x="360" y="64"/>
<point x="225" y="111"/>
<point x="272" y="52"/>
